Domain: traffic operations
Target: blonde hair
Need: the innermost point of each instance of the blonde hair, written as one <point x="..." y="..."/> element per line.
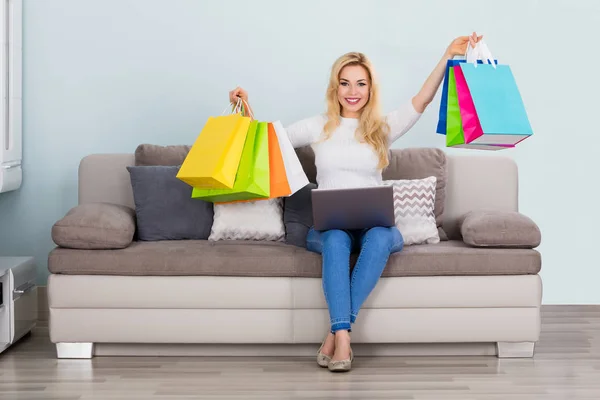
<point x="372" y="128"/>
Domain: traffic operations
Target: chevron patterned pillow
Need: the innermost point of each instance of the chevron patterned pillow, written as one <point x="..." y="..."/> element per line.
<point x="255" y="220"/>
<point x="414" y="202"/>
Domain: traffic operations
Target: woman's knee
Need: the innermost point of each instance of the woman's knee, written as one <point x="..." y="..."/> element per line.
<point x="388" y="238"/>
<point x="379" y="234"/>
<point x="318" y="241"/>
<point x="314" y="241"/>
<point x="397" y="240"/>
<point x="336" y="237"/>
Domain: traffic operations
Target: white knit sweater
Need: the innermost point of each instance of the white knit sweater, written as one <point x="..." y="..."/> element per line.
<point x="342" y="161"/>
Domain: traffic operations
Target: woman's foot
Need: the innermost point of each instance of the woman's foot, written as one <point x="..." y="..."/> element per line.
<point x="326" y="351"/>
<point x="342" y="356"/>
<point x="341" y="346"/>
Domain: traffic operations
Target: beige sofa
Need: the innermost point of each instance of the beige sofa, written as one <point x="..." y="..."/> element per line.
<point x="264" y="298"/>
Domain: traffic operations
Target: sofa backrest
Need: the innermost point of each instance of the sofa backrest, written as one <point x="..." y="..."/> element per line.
<point x="473" y="181"/>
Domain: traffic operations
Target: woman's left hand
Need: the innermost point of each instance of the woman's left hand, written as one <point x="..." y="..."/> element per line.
<point x="458" y="47"/>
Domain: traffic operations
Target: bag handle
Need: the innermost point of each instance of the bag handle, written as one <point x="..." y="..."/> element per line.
<point x="479" y="52"/>
<point x="486" y="53"/>
<point x="247" y="108"/>
<point x="240" y="107"/>
<point x="234" y="110"/>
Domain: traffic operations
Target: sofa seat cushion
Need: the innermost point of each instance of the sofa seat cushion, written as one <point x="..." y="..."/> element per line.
<point x="277" y="259"/>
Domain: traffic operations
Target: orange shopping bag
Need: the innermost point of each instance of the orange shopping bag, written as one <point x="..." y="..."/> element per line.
<point x="279" y="183"/>
<point x="278" y="178"/>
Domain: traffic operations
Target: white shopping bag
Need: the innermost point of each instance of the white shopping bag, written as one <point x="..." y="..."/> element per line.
<point x="296" y="176"/>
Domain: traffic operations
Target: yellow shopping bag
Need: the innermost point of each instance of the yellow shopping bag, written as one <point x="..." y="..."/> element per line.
<point x="213" y="160"/>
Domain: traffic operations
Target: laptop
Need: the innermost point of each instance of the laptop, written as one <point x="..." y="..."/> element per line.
<point x="353" y="208"/>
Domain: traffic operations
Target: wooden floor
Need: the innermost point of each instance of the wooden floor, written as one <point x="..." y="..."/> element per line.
<point x="566" y="366"/>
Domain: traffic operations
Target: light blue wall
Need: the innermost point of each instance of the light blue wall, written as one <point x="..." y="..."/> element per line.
<point x="106" y="75"/>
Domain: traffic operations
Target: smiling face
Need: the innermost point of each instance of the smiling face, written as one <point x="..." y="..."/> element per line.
<point x="353" y="91"/>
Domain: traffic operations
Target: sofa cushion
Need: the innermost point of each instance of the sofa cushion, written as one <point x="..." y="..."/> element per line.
<point x="188" y="257"/>
<point x="164" y="207"/>
<point x="277" y="259"/>
<point x="255" y="220"/>
<point x="298" y="216"/>
<point x="420" y="163"/>
<point x="95" y="226"/>
<point x="499" y="229"/>
<point x="413" y="163"/>
<point x="151" y="154"/>
<point x="414" y="202"/>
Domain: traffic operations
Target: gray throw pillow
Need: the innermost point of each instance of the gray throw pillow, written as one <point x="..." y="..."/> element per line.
<point x="153" y="154"/>
<point x="164" y="207"/>
<point x="97" y="226"/>
<point x="491" y="228"/>
<point x="297" y="216"/>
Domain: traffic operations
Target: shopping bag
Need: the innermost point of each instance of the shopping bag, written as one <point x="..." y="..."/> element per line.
<point x="470" y="121"/>
<point x="252" y="180"/>
<point x="279" y="186"/>
<point x="497" y="102"/>
<point x="454" y="129"/>
<point x="295" y="174"/>
<point x="457" y="117"/>
<point x="441" y="126"/>
<point x="443" y="111"/>
<point x="214" y="158"/>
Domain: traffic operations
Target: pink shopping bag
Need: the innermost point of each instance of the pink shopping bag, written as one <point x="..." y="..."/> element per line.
<point x="468" y="114"/>
<point x="470" y="121"/>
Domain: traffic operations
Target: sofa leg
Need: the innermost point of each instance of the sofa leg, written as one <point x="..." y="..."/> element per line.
<point x="74" y="350"/>
<point x="515" y="349"/>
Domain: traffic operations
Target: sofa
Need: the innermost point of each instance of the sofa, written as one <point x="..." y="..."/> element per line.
<point x="477" y="291"/>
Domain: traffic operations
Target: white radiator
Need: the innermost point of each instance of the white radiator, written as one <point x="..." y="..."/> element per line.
<point x="11" y="150"/>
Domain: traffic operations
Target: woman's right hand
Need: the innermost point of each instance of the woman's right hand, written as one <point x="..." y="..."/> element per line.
<point x="237" y="93"/>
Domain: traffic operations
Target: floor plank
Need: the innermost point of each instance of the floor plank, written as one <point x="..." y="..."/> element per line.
<point x="566" y="366"/>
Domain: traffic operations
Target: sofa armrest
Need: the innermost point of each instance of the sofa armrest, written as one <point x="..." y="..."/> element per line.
<point x="488" y="228"/>
<point x="95" y="226"/>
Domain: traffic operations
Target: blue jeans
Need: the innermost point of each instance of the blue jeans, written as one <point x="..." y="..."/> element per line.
<point x="345" y="293"/>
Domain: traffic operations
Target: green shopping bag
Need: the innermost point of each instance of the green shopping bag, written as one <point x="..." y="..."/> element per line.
<point x="454" y="128"/>
<point x="252" y="181"/>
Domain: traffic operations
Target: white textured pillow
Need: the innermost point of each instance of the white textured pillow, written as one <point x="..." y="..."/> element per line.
<point x="414" y="202"/>
<point x="257" y="220"/>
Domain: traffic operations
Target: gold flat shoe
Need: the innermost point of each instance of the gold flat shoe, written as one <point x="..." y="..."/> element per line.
<point x="323" y="359"/>
<point x="341" y="365"/>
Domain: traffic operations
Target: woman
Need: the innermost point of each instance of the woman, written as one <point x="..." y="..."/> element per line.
<point x="351" y="143"/>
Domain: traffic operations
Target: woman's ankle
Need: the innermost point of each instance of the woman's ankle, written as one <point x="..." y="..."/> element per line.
<point x="342" y="334"/>
<point x="342" y="345"/>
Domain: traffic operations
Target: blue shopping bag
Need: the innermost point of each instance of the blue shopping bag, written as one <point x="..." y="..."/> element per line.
<point x="498" y="103"/>
<point x="441" y="127"/>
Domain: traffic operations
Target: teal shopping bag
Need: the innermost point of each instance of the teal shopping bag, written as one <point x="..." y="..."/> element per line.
<point x="498" y="104"/>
